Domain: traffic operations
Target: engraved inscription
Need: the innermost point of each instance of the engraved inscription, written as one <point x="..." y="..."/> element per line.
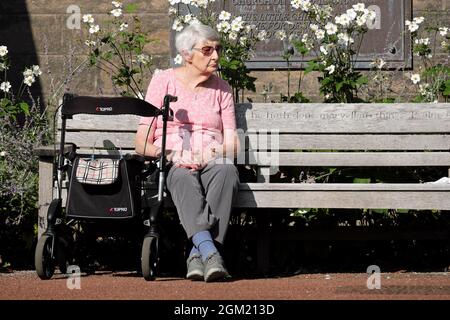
<point x="385" y="33"/>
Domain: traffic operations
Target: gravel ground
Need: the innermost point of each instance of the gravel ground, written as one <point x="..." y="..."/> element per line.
<point x="25" y="285"/>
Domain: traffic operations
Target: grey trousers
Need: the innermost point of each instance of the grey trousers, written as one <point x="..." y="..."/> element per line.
<point x="204" y="199"/>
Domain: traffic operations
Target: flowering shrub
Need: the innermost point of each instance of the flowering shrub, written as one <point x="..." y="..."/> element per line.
<point x="12" y="104"/>
<point x="380" y="89"/>
<point x="237" y="38"/>
<point x="18" y="165"/>
<point x="117" y="48"/>
<point x="334" y="41"/>
<point x="433" y="80"/>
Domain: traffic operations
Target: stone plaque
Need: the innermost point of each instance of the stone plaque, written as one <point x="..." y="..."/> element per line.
<point x="385" y="39"/>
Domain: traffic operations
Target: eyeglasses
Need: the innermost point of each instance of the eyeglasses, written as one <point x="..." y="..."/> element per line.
<point x="208" y="50"/>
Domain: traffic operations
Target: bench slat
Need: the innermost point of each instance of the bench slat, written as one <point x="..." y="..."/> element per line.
<point x="125" y="140"/>
<point x="345" y="196"/>
<point x="351" y="142"/>
<point x="345" y="199"/>
<point x="310" y="118"/>
<point x="87" y="139"/>
<point x="349" y="159"/>
<point x="345" y="118"/>
<point x="101" y="123"/>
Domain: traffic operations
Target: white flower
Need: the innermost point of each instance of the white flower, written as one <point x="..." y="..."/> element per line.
<point x="223" y="26"/>
<point x="419" y="20"/>
<point x="116" y="12"/>
<point x="331" y="28"/>
<point x="3" y="154"/>
<point x="414" y="25"/>
<point x="3" y="51"/>
<point x="343" y="20"/>
<point x="344" y="39"/>
<point x="90" y="43"/>
<point x="174" y="2"/>
<point x="331" y="69"/>
<point x="178" y="59"/>
<point x="351" y="14"/>
<point x="5" y="86"/>
<point x="323" y="50"/>
<point x="423" y="89"/>
<point x="232" y="36"/>
<point x="143" y="58"/>
<point x="177" y="25"/>
<point x="320" y="34"/>
<point x="425" y="41"/>
<point x="359" y="7"/>
<point x="305" y="5"/>
<point x="188" y="18"/>
<point x="415" y="78"/>
<point x="29" y="80"/>
<point x="199" y="3"/>
<point x="117" y="4"/>
<point x="262" y="35"/>
<point x="443" y="31"/>
<point x="314" y="27"/>
<point x="36" y="70"/>
<point x="28" y="73"/>
<point x="94" y="28"/>
<point x="378" y="63"/>
<point x="237" y="24"/>
<point x="88" y="18"/>
<point x="123" y="26"/>
<point x="280" y="35"/>
<point x="443" y="45"/>
<point x="172" y="11"/>
<point x="248" y="29"/>
<point x="243" y="41"/>
<point x="361" y="20"/>
<point x="224" y="15"/>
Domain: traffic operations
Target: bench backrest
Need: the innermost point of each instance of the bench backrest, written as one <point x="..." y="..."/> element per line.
<point x="325" y="135"/>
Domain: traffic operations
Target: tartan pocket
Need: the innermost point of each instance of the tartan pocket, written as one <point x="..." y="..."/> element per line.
<point x="97" y="172"/>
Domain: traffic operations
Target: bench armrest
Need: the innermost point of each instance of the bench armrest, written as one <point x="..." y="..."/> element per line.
<point x="49" y="151"/>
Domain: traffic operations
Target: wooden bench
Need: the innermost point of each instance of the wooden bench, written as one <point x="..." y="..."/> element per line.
<point x="306" y="135"/>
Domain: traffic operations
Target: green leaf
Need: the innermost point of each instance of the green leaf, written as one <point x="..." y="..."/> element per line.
<point x="361" y="180"/>
<point x="362" y="80"/>
<point x="339" y="86"/>
<point x="131" y="8"/>
<point x="312" y="66"/>
<point x="447" y="88"/>
<point x="25" y="108"/>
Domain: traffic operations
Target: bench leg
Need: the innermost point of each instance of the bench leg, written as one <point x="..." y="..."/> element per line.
<point x="45" y="192"/>
<point x="263" y="242"/>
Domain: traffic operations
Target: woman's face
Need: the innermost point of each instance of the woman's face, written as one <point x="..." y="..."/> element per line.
<point x="205" y="56"/>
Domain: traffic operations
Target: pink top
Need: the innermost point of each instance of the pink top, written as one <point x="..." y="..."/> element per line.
<point x="199" y="118"/>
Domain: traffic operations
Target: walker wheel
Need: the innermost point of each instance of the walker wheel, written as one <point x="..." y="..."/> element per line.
<point x="43" y="259"/>
<point x="149" y="257"/>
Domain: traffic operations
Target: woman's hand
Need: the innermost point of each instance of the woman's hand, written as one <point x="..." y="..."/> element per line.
<point x="189" y="160"/>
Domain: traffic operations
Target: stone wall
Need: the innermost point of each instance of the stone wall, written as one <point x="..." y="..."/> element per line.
<point x="35" y="31"/>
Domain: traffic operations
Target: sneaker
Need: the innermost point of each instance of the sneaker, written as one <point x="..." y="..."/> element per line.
<point x="195" y="268"/>
<point x="214" y="269"/>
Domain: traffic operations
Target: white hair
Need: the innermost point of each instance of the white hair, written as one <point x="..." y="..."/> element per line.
<point x="193" y="34"/>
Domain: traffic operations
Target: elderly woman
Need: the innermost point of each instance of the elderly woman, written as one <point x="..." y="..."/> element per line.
<point x="201" y="143"/>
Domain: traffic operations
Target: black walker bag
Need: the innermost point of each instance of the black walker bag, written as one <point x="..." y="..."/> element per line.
<point x="104" y="188"/>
